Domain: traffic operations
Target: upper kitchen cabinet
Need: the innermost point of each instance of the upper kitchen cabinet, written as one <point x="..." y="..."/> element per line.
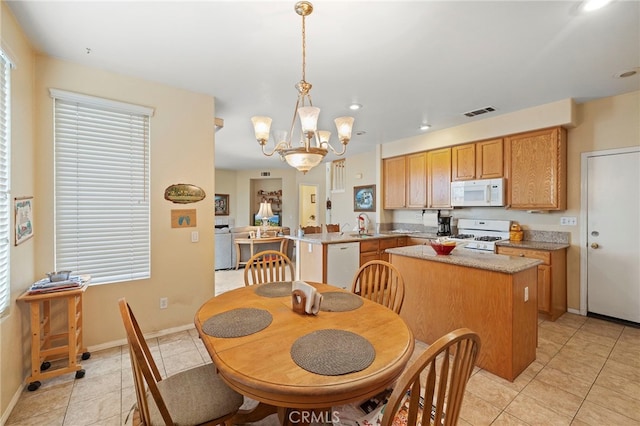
<point x="463" y="162"/>
<point x="439" y="178"/>
<point x="416" y="183"/>
<point x="536" y="169"/>
<point x="489" y="159"/>
<point x="478" y="160"/>
<point x="394" y="175"/>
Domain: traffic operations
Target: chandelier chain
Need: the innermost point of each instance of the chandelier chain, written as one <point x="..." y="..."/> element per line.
<point x="314" y="145"/>
<point x="304" y="49"/>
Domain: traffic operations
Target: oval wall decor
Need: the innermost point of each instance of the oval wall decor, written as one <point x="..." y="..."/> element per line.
<point x="184" y="193"/>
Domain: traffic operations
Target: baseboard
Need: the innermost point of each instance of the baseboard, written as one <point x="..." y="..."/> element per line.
<point x="95" y="348"/>
<point x="11" y="406"/>
<point x="120" y="342"/>
<point x="574" y="311"/>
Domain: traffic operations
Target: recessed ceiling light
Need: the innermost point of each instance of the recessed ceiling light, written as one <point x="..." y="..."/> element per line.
<point x="627" y="73"/>
<point x="425" y="126"/>
<point x="355" y="107"/>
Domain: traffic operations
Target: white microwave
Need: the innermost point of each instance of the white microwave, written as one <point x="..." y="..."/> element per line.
<point x="478" y="193"/>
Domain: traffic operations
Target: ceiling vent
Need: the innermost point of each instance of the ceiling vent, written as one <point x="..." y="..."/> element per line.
<point x="479" y="111"/>
<point x="265" y="174"/>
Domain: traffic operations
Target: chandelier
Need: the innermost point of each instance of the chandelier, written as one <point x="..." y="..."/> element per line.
<point x="314" y="144"/>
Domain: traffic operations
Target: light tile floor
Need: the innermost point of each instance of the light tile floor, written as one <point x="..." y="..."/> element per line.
<point x="587" y="372"/>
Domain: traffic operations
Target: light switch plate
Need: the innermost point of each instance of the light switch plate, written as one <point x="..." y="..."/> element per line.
<point x="568" y="221"/>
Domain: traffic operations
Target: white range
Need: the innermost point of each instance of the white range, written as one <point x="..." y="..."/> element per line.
<point x="480" y="234"/>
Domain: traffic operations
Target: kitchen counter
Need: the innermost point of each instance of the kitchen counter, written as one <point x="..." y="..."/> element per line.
<point x="334" y="257"/>
<point x="469" y="258"/>
<point x="339" y="237"/>
<point x="494" y="295"/>
<point x="534" y="245"/>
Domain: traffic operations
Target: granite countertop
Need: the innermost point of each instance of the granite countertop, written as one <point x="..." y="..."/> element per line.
<point x="339" y="237"/>
<point x="469" y="258"/>
<point x="535" y="245"/>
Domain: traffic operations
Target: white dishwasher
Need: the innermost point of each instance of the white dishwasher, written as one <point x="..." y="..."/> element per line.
<point x="343" y="261"/>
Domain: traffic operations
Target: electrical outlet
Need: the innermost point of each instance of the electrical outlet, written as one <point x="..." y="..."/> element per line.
<point x="419" y="217"/>
<point x="526" y="294"/>
<point x="164" y="303"/>
<point x="568" y="221"/>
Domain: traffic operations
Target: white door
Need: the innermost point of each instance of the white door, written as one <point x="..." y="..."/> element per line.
<point x="613" y="235"/>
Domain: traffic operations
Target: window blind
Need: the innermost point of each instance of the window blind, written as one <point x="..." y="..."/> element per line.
<point x="5" y="204"/>
<point x="102" y="204"/>
<point x="338" y="175"/>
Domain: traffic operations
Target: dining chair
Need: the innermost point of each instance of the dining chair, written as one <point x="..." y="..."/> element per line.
<point x="333" y="227"/>
<point x="312" y="229"/>
<point x="197" y="396"/>
<point x="380" y="282"/>
<point x="268" y="266"/>
<point x="444" y="369"/>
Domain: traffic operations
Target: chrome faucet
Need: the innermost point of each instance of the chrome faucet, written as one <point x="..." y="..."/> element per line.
<point x="342" y="227"/>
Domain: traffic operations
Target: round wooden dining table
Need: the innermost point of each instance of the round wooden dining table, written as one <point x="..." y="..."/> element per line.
<point x="260" y="365"/>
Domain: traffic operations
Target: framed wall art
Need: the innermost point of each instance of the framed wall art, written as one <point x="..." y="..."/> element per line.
<point x="364" y="198"/>
<point x="23" y="208"/>
<point x="183" y="218"/>
<point x="222" y="204"/>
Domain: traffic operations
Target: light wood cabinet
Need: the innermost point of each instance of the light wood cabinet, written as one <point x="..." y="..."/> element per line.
<point x="417" y="241"/>
<point x="405" y="181"/>
<point x="416" y="180"/>
<point x="439" y="178"/>
<point x="552" y="278"/>
<point x="478" y="160"/>
<point x="440" y="297"/>
<point x="374" y="249"/>
<point x="394" y="177"/>
<point x="490" y="159"/>
<point x="463" y="162"/>
<point x="536" y="170"/>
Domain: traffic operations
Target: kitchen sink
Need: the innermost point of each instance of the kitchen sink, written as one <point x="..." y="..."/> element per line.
<point x="361" y="235"/>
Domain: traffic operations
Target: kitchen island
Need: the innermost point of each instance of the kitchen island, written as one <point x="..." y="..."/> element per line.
<point x="334" y="257"/>
<point x="493" y="295"/>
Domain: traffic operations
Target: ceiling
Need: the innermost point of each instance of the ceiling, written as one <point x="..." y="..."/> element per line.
<point x="406" y="62"/>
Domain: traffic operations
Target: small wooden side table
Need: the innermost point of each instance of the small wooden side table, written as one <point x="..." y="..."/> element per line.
<point x="46" y="346"/>
<point x="256" y="241"/>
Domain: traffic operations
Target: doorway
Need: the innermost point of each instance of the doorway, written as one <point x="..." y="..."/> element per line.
<point x="309" y="211"/>
<point x="610" y="243"/>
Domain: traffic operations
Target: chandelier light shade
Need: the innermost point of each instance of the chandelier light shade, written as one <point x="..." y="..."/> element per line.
<point x="314" y="144"/>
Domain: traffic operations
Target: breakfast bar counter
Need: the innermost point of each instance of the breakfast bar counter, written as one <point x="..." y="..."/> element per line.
<point x="493" y="295"/>
<point x="471" y="258"/>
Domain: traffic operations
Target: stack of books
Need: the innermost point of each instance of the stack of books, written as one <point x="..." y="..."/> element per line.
<point x="45" y="285"/>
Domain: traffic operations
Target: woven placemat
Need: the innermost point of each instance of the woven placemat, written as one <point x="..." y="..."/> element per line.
<point x="338" y="301"/>
<point x="277" y="289"/>
<point x="332" y="352"/>
<point x="237" y="322"/>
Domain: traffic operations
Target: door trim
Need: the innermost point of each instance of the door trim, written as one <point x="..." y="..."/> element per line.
<point x="584" y="157"/>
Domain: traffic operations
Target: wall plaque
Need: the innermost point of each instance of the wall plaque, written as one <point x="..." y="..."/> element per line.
<point x="184" y="193"/>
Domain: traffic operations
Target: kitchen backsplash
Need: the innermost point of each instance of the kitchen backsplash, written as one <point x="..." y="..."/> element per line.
<point x="547" y="236"/>
<point x="529" y="235"/>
